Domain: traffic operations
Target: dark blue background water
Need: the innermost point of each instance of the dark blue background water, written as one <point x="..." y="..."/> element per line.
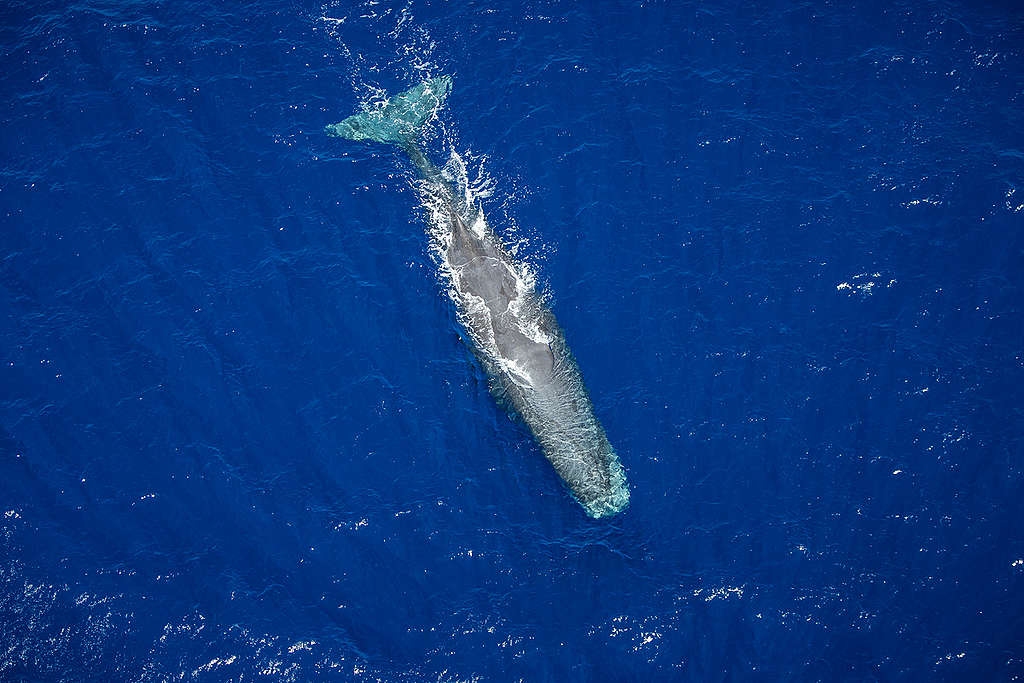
<point x="241" y="439"/>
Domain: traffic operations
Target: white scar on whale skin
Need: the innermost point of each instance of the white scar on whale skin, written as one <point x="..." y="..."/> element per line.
<point x="513" y="333"/>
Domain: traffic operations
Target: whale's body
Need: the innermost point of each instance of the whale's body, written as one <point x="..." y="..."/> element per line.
<point x="514" y="334"/>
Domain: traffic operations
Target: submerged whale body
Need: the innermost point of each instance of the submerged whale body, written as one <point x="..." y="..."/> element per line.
<point x="515" y="336"/>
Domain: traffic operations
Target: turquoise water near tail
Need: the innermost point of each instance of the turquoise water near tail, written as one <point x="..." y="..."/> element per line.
<point x="242" y="437"/>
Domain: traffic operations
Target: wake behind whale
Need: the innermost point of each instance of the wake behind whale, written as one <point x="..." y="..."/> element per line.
<point x="514" y="334"/>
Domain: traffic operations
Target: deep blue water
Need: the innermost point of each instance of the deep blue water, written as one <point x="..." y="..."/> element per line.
<point x="241" y="437"/>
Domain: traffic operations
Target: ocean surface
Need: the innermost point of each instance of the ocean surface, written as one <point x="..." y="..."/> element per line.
<point x="242" y="437"/>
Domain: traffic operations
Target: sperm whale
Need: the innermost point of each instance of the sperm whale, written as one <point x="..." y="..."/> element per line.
<point x="514" y="334"/>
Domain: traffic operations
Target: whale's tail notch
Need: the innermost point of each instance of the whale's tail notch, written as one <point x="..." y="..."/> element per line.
<point x="401" y="119"/>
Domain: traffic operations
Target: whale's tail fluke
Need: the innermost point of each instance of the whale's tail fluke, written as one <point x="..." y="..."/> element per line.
<point x="400" y="120"/>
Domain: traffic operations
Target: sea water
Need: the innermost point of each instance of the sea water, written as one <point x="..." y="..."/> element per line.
<point x="242" y="438"/>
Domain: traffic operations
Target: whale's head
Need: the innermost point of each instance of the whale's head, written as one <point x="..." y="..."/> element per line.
<point x="610" y="494"/>
<point x="590" y="469"/>
<point x="562" y="418"/>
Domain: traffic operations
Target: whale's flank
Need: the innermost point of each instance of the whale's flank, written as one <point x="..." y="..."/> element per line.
<point x="514" y="335"/>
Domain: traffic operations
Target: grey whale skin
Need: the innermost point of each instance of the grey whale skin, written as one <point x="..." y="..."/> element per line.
<point x="515" y="336"/>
